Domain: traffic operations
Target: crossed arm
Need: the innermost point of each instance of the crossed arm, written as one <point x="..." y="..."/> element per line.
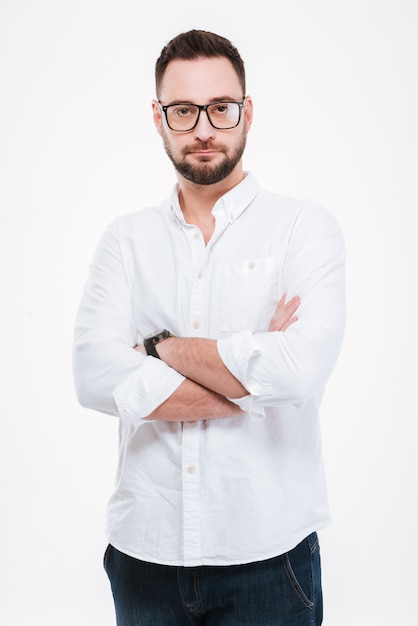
<point x="208" y="385"/>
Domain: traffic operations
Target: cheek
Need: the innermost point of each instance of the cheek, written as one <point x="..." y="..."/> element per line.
<point x="170" y="145"/>
<point x="180" y="143"/>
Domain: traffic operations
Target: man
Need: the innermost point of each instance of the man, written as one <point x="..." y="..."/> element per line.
<point x="184" y="333"/>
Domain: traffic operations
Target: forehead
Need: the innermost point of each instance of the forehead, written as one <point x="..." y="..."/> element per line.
<point x="200" y="80"/>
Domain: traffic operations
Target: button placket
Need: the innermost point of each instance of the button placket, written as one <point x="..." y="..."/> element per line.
<point x="196" y="313"/>
<point x="191" y="492"/>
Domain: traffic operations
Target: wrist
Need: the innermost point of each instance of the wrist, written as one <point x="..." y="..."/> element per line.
<point x="153" y="339"/>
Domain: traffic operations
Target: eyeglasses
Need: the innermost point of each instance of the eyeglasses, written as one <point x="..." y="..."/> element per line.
<point x="183" y="117"/>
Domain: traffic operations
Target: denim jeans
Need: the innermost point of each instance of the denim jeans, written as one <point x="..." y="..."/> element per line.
<point x="282" y="591"/>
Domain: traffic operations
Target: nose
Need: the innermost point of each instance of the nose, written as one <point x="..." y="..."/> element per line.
<point x="203" y="129"/>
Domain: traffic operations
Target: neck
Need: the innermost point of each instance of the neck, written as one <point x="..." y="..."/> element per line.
<point x="197" y="201"/>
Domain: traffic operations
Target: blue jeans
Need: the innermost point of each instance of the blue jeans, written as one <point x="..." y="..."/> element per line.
<point x="282" y="591"/>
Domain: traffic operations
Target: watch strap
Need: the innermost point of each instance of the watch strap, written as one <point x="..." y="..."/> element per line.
<point x="150" y="341"/>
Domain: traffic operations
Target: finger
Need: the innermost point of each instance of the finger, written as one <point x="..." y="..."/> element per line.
<point x="290" y="322"/>
<point x="281" y="301"/>
<point x="292" y="305"/>
<point x="295" y="299"/>
<point x="283" y="312"/>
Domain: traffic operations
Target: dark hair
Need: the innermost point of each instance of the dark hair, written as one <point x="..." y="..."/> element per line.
<point x="194" y="44"/>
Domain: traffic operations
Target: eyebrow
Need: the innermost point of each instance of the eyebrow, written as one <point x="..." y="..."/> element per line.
<point x="211" y="101"/>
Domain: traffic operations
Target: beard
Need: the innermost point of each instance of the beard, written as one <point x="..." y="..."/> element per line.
<point x="204" y="172"/>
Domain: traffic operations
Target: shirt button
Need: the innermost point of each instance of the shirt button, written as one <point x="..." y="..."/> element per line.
<point x="200" y="275"/>
<point x="251" y="265"/>
<point x="196" y="236"/>
<point x="190" y="469"/>
<point x="196" y="325"/>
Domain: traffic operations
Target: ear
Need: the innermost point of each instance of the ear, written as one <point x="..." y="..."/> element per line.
<point x="248" y="111"/>
<point x="157" y="116"/>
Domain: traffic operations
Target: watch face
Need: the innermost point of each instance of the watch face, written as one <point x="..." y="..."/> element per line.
<point x="156" y="336"/>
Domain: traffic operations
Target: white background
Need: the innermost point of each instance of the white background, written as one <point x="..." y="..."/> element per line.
<point x="336" y="102"/>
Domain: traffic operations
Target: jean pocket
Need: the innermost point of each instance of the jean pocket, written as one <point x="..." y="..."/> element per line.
<point x="302" y="566"/>
<point x="106" y="557"/>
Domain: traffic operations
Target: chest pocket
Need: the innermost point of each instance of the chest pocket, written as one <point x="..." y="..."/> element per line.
<point x="250" y="293"/>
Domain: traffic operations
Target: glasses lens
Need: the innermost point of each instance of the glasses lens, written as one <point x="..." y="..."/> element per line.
<point x="182" y="116"/>
<point x="224" y="114"/>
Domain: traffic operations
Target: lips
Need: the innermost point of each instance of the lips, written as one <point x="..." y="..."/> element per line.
<point x="205" y="152"/>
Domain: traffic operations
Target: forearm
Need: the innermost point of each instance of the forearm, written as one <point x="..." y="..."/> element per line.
<point x="192" y="402"/>
<point x="198" y="360"/>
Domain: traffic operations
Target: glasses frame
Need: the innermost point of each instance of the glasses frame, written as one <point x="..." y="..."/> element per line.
<point x="202" y="107"/>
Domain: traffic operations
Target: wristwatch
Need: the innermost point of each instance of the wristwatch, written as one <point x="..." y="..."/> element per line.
<point x="151" y="340"/>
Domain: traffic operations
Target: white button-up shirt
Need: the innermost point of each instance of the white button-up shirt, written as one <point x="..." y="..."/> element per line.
<point x="242" y="488"/>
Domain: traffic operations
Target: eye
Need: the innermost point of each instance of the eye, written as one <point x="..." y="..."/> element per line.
<point x="183" y="111"/>
<point x="221" y="108"/>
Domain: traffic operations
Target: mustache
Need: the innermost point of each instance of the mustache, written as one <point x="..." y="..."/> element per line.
<point x="203" y="145"/>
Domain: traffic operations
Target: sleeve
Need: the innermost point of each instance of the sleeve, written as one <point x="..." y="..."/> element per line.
<point x="109" y="375"/>
<point x="290" y="367"/>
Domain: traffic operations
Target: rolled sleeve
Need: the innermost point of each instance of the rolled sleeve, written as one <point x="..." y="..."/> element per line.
<point x="236" y="353"/>
<point x="144" y="390"/>
<point x="109" y="375"/>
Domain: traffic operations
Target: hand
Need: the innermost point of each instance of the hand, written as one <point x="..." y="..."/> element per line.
<point x="284" y="314"/>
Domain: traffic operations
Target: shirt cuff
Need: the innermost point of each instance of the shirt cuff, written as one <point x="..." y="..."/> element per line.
<point x="145" y="389"/>
<point x="236" y="352"/>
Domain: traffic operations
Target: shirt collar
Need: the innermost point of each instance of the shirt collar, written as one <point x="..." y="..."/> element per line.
<point x="231" y="205"/>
